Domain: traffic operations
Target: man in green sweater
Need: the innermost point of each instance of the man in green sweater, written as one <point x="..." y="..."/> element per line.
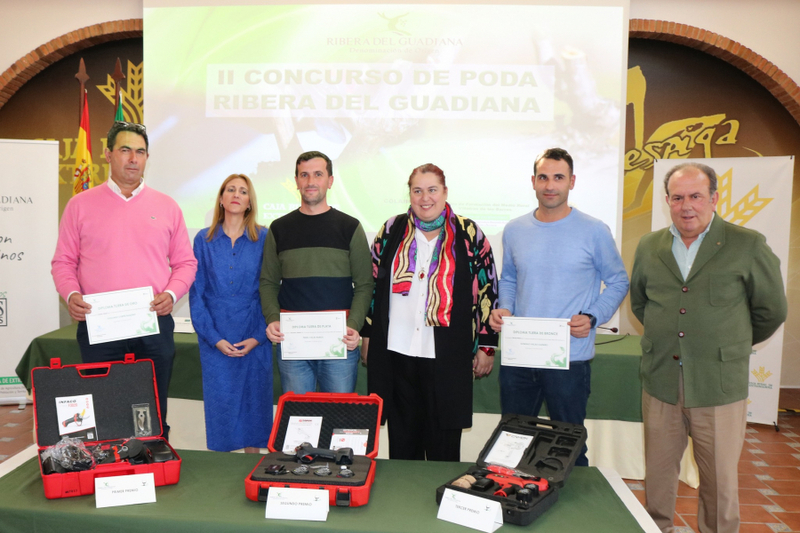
<point x="706" y="291"/>
<point x="316" y="258"/>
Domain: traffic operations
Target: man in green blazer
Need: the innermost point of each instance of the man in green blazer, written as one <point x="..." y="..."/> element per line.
<point x="706" y="291"/>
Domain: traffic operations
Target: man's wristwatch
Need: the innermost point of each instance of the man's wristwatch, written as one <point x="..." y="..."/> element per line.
<point x="592" y="319"/>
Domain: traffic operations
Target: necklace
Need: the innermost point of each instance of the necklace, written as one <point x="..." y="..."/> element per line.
<point x="424" y="254"/>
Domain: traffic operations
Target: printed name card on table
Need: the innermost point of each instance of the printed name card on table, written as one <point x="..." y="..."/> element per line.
<point x="133" y="489"/>
<point x="183" y="324"/>
<point x="297" y="504"/>
<point x="470" y="511"/>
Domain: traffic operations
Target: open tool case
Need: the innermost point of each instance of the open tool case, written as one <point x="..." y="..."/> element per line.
<point x="343" y="411"/>
<point x="548" y="459"/>
<point x="121" y="423"/>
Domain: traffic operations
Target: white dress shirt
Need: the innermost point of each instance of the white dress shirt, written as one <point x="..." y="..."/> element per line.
<point x="408" y="333"/>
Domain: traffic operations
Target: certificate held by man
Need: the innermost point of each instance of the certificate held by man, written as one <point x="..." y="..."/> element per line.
<point x="314" y="335"/>
<point x="535" y="342"/>
<point x="119" y="315"/>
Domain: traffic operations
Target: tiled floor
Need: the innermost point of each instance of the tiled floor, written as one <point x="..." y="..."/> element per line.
<point x="769" y="470"/>
<point x="769" y="477"/>
<point x="16" y="430"/>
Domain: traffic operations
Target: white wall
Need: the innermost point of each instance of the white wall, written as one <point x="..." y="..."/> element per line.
<point x="767" y="27"/>
<point x="27" y="25"/>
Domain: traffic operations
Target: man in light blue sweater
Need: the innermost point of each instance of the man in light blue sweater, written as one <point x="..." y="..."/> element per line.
<point x="554" y="260"/>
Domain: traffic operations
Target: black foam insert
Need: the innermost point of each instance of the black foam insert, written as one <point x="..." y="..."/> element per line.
<point x="113" y="395"/>
<point x="489" y="493"/>
<point x="554" y="450"/>
<point x="514" y="511"/>
<point x="360" y="468"/>
<point x="344" y="415"/>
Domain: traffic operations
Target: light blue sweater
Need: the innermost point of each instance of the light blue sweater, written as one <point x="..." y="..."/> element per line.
<point x="555" y="269"/>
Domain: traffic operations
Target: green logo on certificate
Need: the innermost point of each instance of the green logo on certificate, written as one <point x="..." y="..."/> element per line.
<point x="337" y="351"/>
<point x="149" y="326"/>
<point x="558" y="359"/>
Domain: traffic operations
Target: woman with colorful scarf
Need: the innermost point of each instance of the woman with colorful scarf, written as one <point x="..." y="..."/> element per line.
<point x="427" y="331"/>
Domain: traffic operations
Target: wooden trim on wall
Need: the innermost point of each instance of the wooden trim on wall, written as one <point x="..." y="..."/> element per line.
<point x="777" y="82"/>
<point x="42" y="57"/>
<point x="754" y="65"/>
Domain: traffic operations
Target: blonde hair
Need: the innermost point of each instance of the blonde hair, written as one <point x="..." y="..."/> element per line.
<point x="250" y="216"/>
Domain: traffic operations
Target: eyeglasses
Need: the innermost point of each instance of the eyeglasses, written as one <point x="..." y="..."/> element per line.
<point x="139" y="128"/>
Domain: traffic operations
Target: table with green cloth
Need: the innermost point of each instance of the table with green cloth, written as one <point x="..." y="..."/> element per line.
<point x="211" y="497"/>
<point x="616" y="389"/>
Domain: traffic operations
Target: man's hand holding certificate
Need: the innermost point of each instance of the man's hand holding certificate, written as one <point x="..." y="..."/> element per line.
<point x="118" y="315"/>
<point x="535" y="342"/>
<point x="315" y="335"/>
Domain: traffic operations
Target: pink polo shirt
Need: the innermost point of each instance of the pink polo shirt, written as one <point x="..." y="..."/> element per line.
<point x="106" y="243"/>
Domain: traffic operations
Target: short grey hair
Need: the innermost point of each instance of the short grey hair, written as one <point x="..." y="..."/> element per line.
<point x="705" y="169"/>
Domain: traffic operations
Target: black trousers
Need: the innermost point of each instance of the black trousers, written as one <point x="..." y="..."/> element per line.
<point x="414" y="428"/>
<point x="160" y="348"/>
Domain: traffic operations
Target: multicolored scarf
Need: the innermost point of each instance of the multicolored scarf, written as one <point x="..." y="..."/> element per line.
<point x="441" y="273"/>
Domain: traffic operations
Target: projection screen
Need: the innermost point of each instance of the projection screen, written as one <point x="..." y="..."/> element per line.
<point x="476" y="89"/>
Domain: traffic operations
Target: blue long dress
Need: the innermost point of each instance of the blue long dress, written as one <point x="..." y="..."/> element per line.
<point x="224" y="301"/>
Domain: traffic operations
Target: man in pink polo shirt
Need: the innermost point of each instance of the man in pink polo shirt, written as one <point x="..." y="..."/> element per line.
<point x="124" y="235"/>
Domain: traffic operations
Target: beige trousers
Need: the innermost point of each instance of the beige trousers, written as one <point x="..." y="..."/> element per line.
<point x="717" y="438"/>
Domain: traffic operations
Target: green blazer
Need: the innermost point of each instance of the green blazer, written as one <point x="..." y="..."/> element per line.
<point x="732" y="299"/>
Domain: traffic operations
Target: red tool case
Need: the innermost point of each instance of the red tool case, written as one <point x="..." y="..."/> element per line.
<point x="346" y="411"/>
<point x="121" y="392"/>
<point x="550" y="456"/>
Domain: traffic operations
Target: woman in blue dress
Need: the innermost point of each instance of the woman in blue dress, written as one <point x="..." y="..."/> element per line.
<point x="226" y="313"/>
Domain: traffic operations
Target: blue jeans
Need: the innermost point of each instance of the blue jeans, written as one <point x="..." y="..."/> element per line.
<point x="566" y="392"/>
<point x="332" y="376"/>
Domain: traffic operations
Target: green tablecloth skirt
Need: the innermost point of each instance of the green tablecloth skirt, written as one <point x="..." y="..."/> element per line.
<point x="210" y="498"/>
<point x="616" y="389"/>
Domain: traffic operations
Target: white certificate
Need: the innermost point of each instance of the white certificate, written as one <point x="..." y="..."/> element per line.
<point x="535" y="342"/>
<point x="313" y="335"/>
<point x="508" y="449"/>
<point x="120" y="315"/>
<point x="350" y="438"/>
<point x="301" y="429"/>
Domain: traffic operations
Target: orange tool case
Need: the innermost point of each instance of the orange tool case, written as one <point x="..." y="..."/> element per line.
<point x="342" y="411"/>
<point x="118" y="421"/>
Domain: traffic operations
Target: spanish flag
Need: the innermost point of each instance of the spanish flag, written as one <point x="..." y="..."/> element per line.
<point x="120" y="115"/>
<point x="83" y="153"/>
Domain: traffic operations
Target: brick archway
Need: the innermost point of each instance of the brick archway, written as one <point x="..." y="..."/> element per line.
<point x="42" y="57"/>
<point x="757" y="67"/>
<point x="754" y="65"/>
